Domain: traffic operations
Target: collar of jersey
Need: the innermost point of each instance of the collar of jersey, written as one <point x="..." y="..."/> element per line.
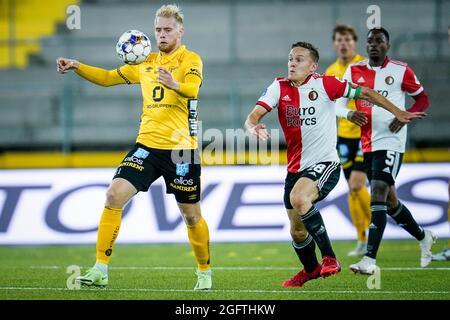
<point x="383" y="65"/>
<point x="304" y="82"/>
<point x="163" y="59"/>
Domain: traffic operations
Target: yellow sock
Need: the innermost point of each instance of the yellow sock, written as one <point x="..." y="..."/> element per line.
<point x="199" y="238"/>
<point x="108" y="230"/>
<point x="357" y="215"/>
<point x="363" y="197"/>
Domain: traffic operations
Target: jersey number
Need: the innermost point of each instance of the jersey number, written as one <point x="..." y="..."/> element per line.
<point x="319" y="168"/>
<point x="390" y="155"/>
<point x="158" y="94"/>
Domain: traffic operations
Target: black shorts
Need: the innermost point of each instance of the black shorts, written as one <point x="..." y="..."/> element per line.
<point x="143" y="165"/>
<point x="327" y="173"/>
<point x="351" y="155"/>
<point x="383" y="165"/>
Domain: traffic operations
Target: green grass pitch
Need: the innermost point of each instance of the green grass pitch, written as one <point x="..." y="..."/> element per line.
<point x="241" y="271"/>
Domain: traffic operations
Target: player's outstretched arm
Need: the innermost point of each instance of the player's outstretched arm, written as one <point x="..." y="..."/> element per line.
<point x="253" y="125"/>
<point x="376" y="98"/>
<point x="99" y="76"/>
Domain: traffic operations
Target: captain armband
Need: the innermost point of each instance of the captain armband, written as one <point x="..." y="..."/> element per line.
<point x="352" y="91"/>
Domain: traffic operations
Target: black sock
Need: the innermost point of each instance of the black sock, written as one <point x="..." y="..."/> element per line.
<point x="376" y="228"/>
<point x="404" y="219"/>
<point x="314" y="224"/>
<point x="306" y="252"/>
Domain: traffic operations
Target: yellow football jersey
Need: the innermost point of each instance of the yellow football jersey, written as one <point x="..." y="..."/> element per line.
<point x="169" y="119"/>
<point x="346" y="128"/>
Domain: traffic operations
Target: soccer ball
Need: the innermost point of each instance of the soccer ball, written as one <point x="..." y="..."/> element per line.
<point x="133" y="47"/>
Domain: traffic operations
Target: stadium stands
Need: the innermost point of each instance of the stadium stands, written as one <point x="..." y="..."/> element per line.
<point x="244" y="46"/>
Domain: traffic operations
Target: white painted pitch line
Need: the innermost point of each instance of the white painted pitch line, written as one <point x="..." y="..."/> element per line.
<point x="226" y="291"/>
<point x="241" y="268"/>
<point x="414" y="268"/>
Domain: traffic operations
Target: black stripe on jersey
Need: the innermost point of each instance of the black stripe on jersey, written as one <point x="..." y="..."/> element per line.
<point x="195" y="72"/>
<point x="123" y="77"/>
<point x="264" y="105"/>
<point x="326" y="174"/>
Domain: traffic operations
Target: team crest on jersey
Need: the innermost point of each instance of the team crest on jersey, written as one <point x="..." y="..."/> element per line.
<point x="182" y="169"/>
<point x="141" y="153"/>
<point x="313" y="95"/>
<point x="389" y="80"/>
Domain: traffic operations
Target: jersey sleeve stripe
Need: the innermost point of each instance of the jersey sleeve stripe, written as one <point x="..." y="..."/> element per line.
<point x="264" y="105"/>
<point x="352" y="93"/>
<point x="347" y="92"/>
<point x="123" y="77"/>
<point x="357" y="92"/>
<point x="195" y="73"/>
<point x="415" y="93"/>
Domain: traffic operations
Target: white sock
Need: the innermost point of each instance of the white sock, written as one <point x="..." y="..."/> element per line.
<point x="369" y="259"/>
<point x="103" y="267"/>
<point x="209" y="271"/>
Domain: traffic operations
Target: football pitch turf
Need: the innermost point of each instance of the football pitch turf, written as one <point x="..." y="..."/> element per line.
<point x="241" y="271"/>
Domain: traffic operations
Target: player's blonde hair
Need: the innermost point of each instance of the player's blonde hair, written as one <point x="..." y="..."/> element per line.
<point x="170" y="10"/>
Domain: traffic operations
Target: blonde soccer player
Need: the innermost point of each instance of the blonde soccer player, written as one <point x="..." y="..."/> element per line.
<point x="166" y="144"/>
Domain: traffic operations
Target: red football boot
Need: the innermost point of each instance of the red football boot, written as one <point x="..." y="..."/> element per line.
<point x="330" y="266"/>
<point x="300" y="278"/>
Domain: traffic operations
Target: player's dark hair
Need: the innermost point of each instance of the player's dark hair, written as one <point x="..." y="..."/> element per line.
<point x="343" y="29"/>
<point x="380" y="29"/>
<point x="312" y="50"/>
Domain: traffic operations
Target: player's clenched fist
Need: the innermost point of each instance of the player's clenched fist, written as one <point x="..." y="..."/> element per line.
<point x="63" y="65"/>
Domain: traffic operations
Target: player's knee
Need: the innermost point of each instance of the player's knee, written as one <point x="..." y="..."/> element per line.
<point x="379" y="191"/>
<point x="298" y="235"/>
<point x="300" y="201"/>
<point x="113" y="198"/>
<point x="191" y="213"/>
<point x="191" y="219"/>
<point x="355" y="186"/>
<point x="356" y="182"/>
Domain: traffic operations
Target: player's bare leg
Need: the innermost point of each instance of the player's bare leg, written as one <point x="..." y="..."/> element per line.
<point x="359" y="207"/>
<point x="302" y="197"/>
<point x="304" y="246"/>
<point x="118" y="194"/>
<point x="198" y="234"/>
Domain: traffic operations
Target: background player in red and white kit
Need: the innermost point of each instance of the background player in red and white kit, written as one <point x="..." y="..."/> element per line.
<point x="305" y="102"/>
<point x="383" y="141"/>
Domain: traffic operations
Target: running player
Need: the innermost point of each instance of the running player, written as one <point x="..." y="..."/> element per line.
<point x="383" y="142"/>
<point x="305" y="102"/>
